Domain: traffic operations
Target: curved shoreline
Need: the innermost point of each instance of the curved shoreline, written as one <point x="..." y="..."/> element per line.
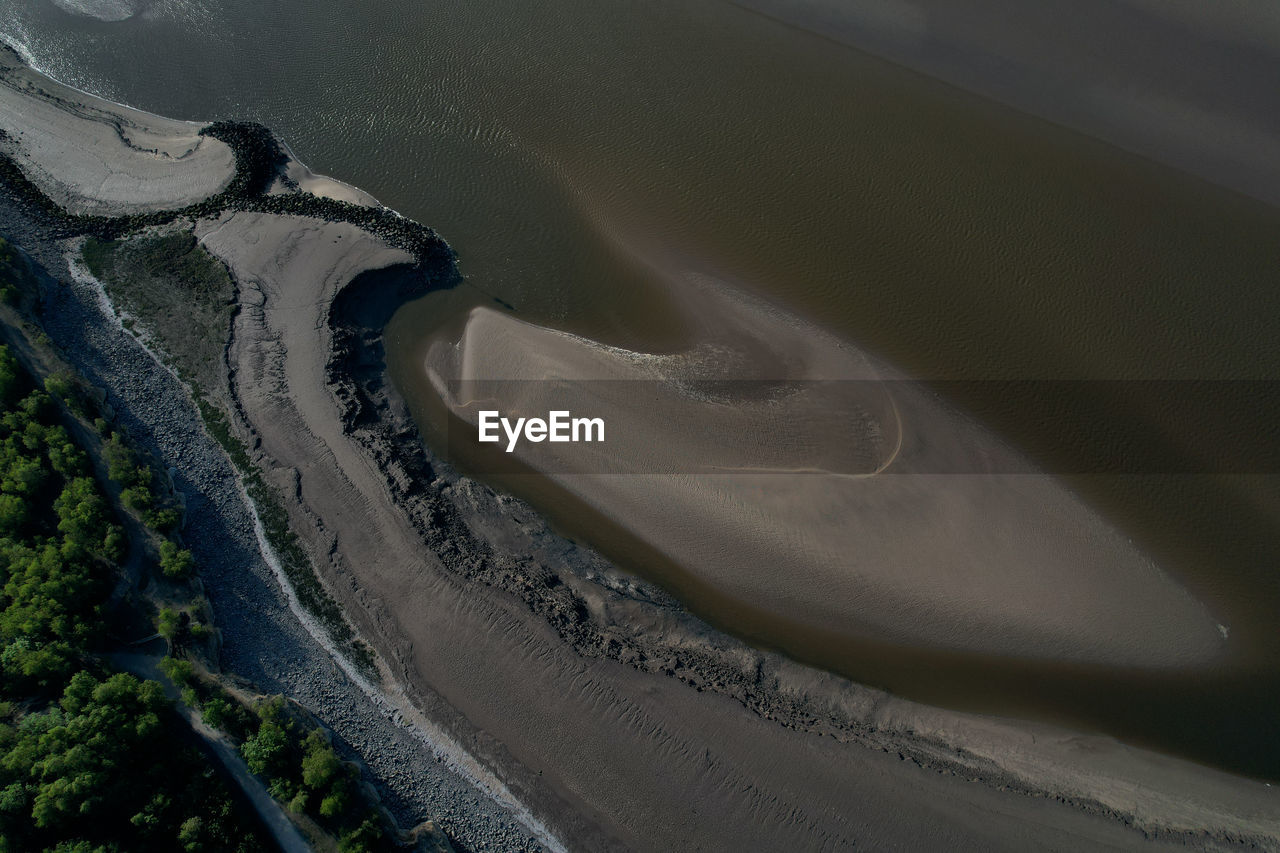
<point x="580" y="622"/>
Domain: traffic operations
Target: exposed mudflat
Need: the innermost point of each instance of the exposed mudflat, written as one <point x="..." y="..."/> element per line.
<point x="94" y="157"/>
<point x="824" y="492"/>
<point x="606" y="710"/>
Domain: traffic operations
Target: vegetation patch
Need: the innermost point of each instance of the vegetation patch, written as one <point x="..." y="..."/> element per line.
<point x="182" y="295"/>
<point x="280" y="536"/>
<point x="185" y="299"/>
<point x="77" y="743"/>
<point x="302" y="769"/>
<point x="83" y="775"/>
<point x="291" y="755"/>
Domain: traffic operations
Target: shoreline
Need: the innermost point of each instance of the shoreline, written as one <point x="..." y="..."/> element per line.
<point x="932" y="738"/>
<point x="330" y="363"/>
<point x="47" y="236"/>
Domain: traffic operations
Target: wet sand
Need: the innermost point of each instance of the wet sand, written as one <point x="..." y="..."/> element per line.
<point x="825" y="503"/>
<point x="108" y="159"/>
<point x="902" y="213"/>
<point x="608" y="748"/>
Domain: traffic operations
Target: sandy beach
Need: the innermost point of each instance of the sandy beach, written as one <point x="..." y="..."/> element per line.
<point x="598" y="710"/>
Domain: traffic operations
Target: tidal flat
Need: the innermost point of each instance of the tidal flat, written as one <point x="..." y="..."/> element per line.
<point x="913" y="228"/>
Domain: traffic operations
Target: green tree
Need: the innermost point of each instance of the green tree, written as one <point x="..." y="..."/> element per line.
<point x="190" y="835"/>
<point x="163" y="520"/>
<point x="106" y="763"/>
<point x="335" y="802"/>
<point x="137" y="498"/>
<point x="362" y="839"/>
<point x="215" y="712"/>
<point x="176" y="670"/>
<point x="175" y="562"/>
<point x="14" y="513"/>
<point x="60" y="385"/>
<point x="82" y="514"/>
<point x="267" y="751"/>
<point x="320" y="764"/>
<point x="24" y="477"/>
<point x="122" y="464"/>
<point x="10" y="378"/>
<point x="168" y="624"/>
<point x="70" y="759"/>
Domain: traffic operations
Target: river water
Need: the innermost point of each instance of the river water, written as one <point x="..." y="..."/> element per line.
<point x="585" y="158"/>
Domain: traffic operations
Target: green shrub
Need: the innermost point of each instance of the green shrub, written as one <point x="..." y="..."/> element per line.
<point x="61" y="385"/>
<point x="362" y="839"/>
<point x="137" y="498"/>
<point x="335" y="802"/>
<point x="176" y="670"/>
<point x="163" y="520"/>
<point x="168" y="624"/>
<point x="320" y="764"/>
<point x="10" y="378"/>
<point x="122" y="463"/>
<point x="175" y="562"/>
<point x="215" y="712"/>
<point x="267" y="751"/>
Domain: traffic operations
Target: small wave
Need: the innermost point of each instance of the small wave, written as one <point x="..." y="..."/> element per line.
<point x="103" y="10"/>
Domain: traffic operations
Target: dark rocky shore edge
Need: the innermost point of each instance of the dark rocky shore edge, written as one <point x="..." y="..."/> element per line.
<point x="446" y="508"/>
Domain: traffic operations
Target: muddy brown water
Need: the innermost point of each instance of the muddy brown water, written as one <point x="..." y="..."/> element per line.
<point x="581" y="157"/>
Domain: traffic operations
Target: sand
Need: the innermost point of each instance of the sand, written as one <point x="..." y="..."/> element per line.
<point x="95" y="157"/>
<point x="614" y="757"/>
<point x="595" y="749"/>
<point x="297" y="173"/>
<point x="830" y="506"/>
